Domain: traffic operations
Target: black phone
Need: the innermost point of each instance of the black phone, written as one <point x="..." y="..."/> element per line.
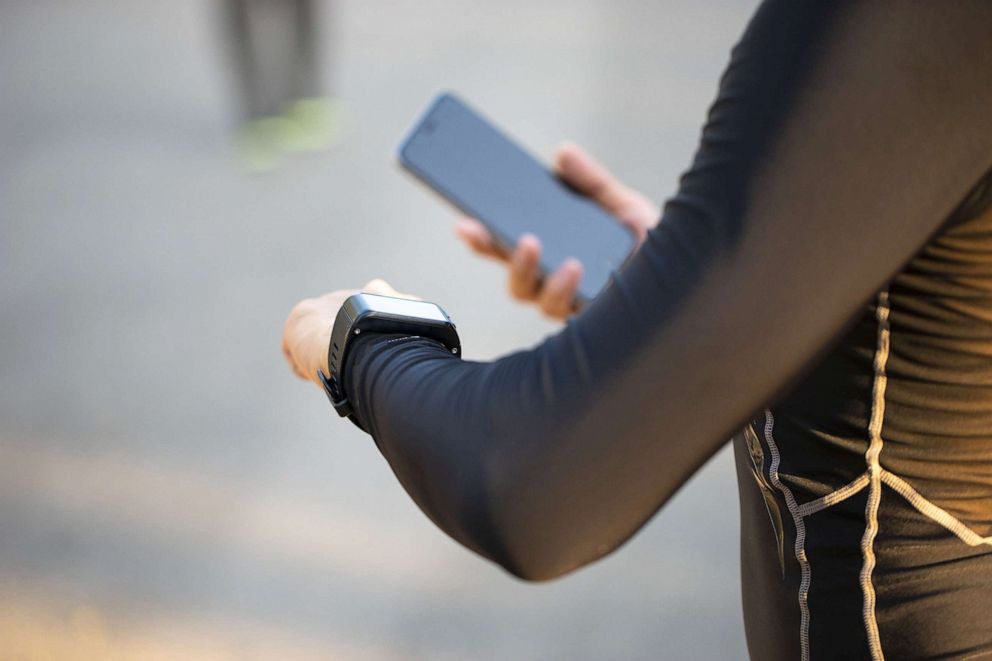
<point x="486" y="175"/>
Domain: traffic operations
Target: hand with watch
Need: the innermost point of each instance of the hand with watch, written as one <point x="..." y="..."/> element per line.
<point x="319" y="331"/>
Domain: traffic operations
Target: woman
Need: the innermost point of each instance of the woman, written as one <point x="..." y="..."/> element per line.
<point x="821" y="279"/>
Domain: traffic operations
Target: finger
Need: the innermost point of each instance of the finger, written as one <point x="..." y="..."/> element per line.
<point x="293" y="365"/>
<point x="379" y="286"/>
<point x="558" y="294"/>
<point x="287" y="354"/>
<point x="525" y="272"/>
<point x="301" y="347"/>
<point x="591" y="178"/>
<point x="290" y="361"/>
<point x="317" y="345"/>
<point x="478" y="238"/>
<point x="383" y="288"/>
<point x="639" y="215"/>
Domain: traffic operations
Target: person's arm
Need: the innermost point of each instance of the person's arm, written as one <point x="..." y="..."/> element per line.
<point x="842" y="135"/>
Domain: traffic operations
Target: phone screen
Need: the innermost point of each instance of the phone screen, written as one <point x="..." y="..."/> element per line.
<point x="486" y="175"/>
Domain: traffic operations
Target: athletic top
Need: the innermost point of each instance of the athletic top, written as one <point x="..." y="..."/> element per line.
<point x="821" y="280"/>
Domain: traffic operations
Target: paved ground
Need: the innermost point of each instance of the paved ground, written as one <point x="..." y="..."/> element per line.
<point x="166" y="488"/>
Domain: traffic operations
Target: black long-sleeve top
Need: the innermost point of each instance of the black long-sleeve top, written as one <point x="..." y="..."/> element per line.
<point x="846" y="144"/>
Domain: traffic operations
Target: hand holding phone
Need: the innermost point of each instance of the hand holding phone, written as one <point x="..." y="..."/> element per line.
<point x="554" y="293"/>
<point x="517" y="202"/>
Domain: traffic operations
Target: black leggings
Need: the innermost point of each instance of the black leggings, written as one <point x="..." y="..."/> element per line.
<point x="816" y="261"/>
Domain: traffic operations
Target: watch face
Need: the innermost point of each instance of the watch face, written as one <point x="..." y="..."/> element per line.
<point x="402" y="307"/>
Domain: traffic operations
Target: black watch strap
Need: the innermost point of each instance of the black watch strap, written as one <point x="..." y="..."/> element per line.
<point x="334" y="393"/>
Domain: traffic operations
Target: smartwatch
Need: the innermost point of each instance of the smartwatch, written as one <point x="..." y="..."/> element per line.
<point x="371" y="313"/>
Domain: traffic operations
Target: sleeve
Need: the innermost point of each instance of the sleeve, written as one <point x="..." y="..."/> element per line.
<point x="841" y="137"/>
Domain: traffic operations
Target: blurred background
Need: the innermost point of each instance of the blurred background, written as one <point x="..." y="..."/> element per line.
<point x="167" y="488"/>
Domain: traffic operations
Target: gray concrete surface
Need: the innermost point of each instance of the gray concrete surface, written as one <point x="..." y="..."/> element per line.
<point x="167" y="488"/>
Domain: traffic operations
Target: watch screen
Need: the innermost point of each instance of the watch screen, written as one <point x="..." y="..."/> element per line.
<point x="406" y="308"/>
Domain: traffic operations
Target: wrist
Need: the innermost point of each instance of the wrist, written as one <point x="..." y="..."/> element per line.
<point x="376" y="314"/>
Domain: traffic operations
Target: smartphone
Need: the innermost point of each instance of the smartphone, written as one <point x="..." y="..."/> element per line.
<point x="485" y="174"/>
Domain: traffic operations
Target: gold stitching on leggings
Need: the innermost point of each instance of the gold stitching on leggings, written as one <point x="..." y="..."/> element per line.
<point x="875" y="477"/>
<point x="800" y="546"/>
<point x="931" y="511"/>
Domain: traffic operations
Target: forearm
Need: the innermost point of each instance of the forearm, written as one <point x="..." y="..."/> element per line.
<point x="450" y="430"/>
<point x="539" y="461"/>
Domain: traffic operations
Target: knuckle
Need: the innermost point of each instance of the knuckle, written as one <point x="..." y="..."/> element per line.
<point x="302" y="308"/>
<point x="555" y="307"/>
<point x="523" y="288"/>
<point x="519" y="293"/>
<point x="552" y="310"/>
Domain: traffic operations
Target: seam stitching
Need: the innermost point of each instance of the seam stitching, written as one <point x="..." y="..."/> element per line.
<point x="852" y="488"/>
<point x="800" y="546"/>
<point x="875" y="476"/>
<point x="932" y="511"/>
